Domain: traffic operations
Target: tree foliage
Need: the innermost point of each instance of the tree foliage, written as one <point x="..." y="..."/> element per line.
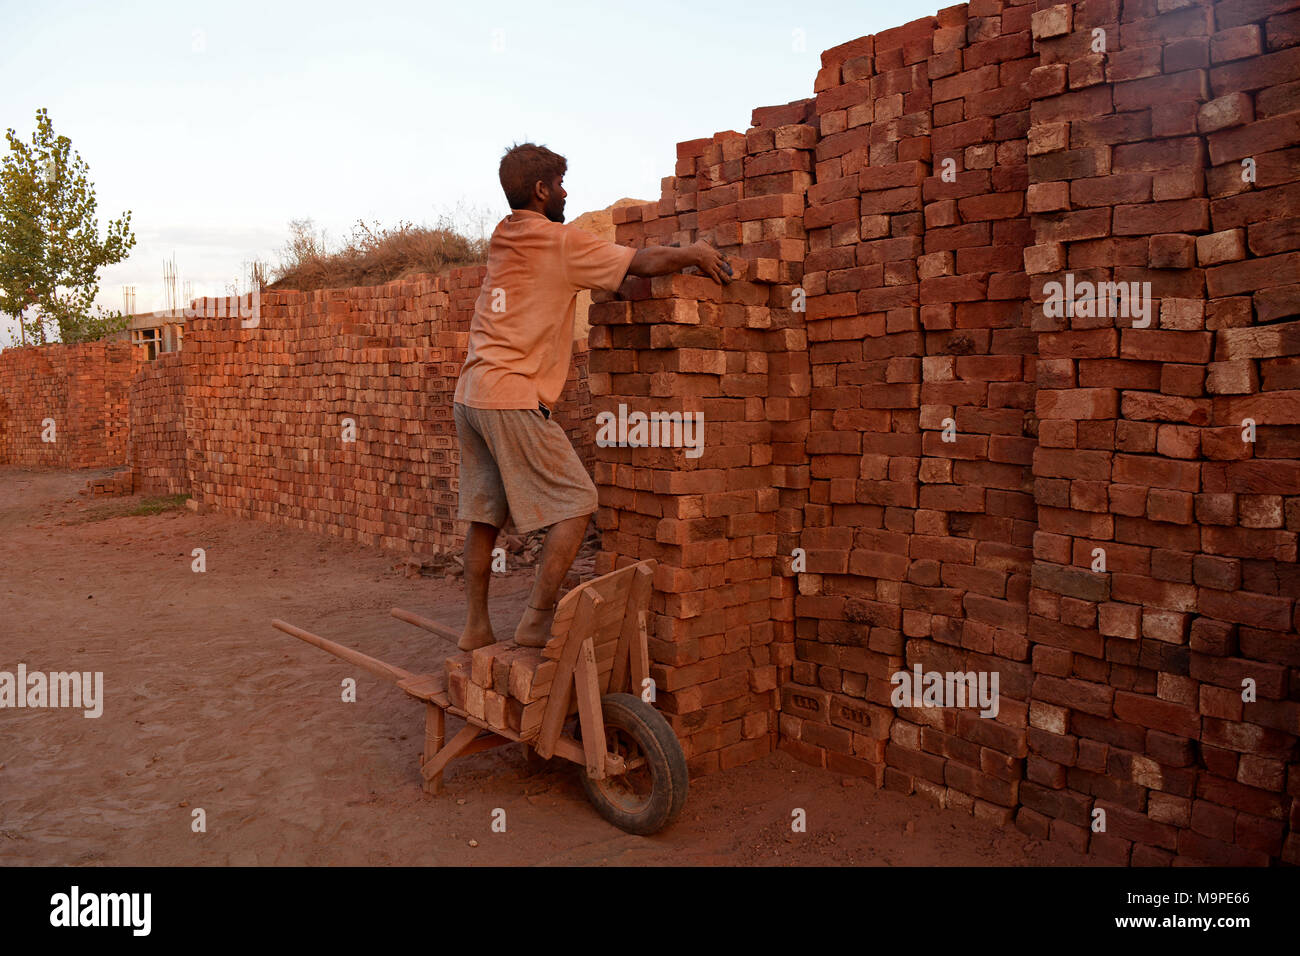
<point x="50" y="247"/>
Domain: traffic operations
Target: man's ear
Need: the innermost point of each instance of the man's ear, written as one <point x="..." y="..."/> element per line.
<point x="541" y="192"/>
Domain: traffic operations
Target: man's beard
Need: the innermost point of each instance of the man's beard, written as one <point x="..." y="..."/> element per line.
<point x="555" y="210"/>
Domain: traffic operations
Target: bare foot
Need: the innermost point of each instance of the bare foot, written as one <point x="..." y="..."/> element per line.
<point x="534" y="628"/>
<point x="473" y="637"/>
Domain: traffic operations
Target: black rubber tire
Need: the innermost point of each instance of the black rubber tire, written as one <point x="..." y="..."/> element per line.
<point x="627" y="716"/>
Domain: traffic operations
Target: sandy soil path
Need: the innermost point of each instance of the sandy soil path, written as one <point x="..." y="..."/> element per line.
<point x="207" y="706"/>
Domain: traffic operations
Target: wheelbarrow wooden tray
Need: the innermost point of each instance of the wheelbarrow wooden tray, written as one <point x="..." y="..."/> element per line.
<point x="598" y="645"/>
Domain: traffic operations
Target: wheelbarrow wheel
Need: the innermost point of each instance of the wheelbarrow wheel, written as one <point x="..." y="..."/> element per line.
<point x="649" y="796"/>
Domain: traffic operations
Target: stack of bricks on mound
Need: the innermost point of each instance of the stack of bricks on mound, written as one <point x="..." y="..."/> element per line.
<point x="506" y="685"/>
<point x="83" y="390"/>
<point x="333" y="412"/>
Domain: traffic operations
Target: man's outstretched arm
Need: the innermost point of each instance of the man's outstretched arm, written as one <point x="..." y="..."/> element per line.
<point x="662" y="260"/>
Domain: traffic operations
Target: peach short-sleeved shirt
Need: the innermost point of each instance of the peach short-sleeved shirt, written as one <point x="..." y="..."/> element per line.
<point x="521" y="336"/>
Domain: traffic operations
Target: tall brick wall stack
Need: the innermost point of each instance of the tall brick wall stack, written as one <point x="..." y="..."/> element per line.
<point x="157" y="434"/>
<point x="950" y="457"/>
<point x="1138" y="705"/>
<point x="921" y="512"/>
<point x="265" y="408"/>
<point x="723" y="618"/>
<point x="678" y="344"/>
<point x="83" y="388"/>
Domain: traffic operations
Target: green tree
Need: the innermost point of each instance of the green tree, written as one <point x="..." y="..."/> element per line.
<point x="50" y="249"/>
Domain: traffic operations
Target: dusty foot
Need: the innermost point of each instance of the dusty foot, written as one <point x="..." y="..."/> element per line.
<point x="534" y="628"/>
<point x="473" y="637"/>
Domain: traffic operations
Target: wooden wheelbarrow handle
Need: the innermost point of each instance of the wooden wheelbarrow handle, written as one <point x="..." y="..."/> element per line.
<point x="390" y="671"/>
<point x="426" y="623"/>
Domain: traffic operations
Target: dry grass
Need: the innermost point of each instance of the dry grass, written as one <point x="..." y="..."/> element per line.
<point x="145" y="506"/>
<point x="373" y="255"/>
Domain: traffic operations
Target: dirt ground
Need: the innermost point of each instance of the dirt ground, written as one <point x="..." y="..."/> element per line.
<point x="207" y="706"/>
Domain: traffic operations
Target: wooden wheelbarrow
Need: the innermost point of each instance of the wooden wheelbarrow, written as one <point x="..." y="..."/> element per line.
<point x="596" y="664"/>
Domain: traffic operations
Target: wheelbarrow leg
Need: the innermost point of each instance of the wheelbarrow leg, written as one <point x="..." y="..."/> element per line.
<point x="432" y="769"/>
<point x="587" y="688"/>
<point x="435" y="721"/>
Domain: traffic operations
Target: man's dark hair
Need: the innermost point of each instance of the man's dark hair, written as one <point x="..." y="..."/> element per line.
<point x="522" y="166"/>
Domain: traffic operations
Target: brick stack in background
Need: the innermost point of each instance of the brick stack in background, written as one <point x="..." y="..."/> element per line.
<point x="157" y="440"/>
<point x="35" y="387"/>
<point x="1138" y="707"/>
<point x="265" y="407"/>
<point x="107" y="404"/>
<point x="574" y="410"/>
<point x="121" y="482"/>
<point x="240" y="414"/>
<point x="84" y="388"/>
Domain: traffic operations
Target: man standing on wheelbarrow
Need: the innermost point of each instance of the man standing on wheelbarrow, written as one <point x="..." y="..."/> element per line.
<point x="514" y="458"/>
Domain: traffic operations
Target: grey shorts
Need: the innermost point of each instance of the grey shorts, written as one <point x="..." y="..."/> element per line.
<point x="518" y="462"/>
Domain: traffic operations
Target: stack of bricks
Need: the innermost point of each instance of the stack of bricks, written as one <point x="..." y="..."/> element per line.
<point x="574" y="410"/>
<point x="964" y="455"/>
<point x="267" y="409"/>
<point x="684" y="345"/>
<point x="121" y="482"/>
<point x="83" y="389"/>
<point x="920" y="513"/>
<point x="1167" y="159"/>
<point x="503" y="684"/>
<point x="157" y="439"/>
<point x="724" y="620"/>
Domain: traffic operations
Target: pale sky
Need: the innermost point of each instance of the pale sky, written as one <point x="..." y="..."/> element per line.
<point x="217" y="123"/>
